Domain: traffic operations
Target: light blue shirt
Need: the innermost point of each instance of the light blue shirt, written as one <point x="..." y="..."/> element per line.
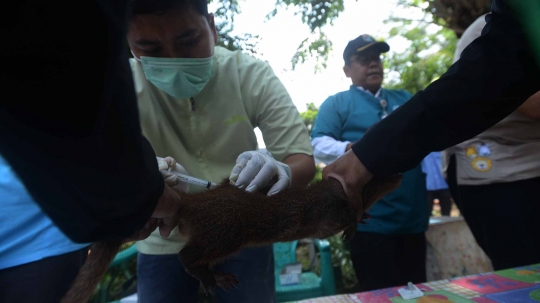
<point x="431" y="165"/>
<point x="26" y="233"/>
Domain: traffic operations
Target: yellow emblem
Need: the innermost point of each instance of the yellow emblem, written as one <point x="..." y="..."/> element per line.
<point x="481" y="164"/>
<point x="471" y="152"/>
<point x="365" y="46"/>
<point x="236" y="119"/>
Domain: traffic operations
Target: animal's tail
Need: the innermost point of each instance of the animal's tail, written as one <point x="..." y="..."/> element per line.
<point x="92" y="271"/>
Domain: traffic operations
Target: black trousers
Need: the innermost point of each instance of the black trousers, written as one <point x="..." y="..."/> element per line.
<point x="43" y="281"/>
<point x="382" y="261"/>
<point x="451" y="180"/>
<point x="445" y="200"/>
<point x="504" y="219"/>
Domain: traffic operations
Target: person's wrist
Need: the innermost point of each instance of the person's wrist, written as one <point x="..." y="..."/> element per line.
<point x="167" y="211"/>
<point x="350" y="171"/>
<point x="168" y="203"/>
<point x="358" y="175"/>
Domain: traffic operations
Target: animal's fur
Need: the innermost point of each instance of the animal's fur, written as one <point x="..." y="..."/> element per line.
<point x="92" y="271"/>
<point x="219" y="223"/>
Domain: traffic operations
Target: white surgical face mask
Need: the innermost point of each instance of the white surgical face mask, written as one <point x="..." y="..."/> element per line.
<point x="178" y="77"/>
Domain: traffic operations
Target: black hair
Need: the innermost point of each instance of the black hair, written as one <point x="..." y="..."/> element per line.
<point x="144" y="7"/>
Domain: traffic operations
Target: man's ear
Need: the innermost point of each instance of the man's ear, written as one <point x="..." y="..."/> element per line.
<point x="213" y="27"/>
<point x="378" y="188"/>
<point x="346" y="70"/>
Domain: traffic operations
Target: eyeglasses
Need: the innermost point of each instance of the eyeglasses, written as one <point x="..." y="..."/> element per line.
<point x="367" y="59"/>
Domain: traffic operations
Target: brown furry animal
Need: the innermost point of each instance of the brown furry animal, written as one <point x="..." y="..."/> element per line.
<point x="219" y="223"/>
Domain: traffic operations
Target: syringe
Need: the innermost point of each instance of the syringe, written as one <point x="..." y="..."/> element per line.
<point x="194" y="181"/>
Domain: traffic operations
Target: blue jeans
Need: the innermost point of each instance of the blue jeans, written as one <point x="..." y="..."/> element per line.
<point x="163" y="279"/>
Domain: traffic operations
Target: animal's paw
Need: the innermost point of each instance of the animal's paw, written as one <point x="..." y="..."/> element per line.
<point x="209" y="286"/>
<point x="226" y="281"/>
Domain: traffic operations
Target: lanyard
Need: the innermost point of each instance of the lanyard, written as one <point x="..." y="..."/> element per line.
<point x="383" y="105"/>
<point x="382" y="102"/>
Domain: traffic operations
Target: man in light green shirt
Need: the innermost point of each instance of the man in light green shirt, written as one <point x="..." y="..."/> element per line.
<point x="199" y="104"/>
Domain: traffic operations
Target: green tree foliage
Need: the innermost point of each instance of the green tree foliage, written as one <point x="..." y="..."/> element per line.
<point x="313" y="47"/>
<point x="455" y="15"/>
<point x="309" y="115"/>
<point x="316" y="14"/>
<point x="429" y="55"/>
<point x="309" y="119"/>
<point x="224" y="18"/>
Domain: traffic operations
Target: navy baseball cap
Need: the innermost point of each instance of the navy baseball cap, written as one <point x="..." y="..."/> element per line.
<point x="363" y="43"/>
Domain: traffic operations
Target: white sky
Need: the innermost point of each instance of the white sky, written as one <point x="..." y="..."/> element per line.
<point x="281" y="36"/>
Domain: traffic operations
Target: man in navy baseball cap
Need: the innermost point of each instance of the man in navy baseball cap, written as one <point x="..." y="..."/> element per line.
<point x="363" y="64"/>
<point x="391" y="249"/>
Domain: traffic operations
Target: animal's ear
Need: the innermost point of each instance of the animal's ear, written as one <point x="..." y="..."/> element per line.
<point x="378" y="188"/>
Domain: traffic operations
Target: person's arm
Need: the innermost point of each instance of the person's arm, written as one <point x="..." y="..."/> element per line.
<point x="272" y="110"/>
<point x="302" y="169"/>
<point x="285" y="134"/>
<point x="283" y="130"/>
<point x="327" y="131"/>
<point x="495" y="75"/>
<point x="328" y="149"/>
<point x="70" y="127"/>
<point x="531" y="107"/>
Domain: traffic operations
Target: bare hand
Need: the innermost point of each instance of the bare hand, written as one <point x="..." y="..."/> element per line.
<point x="144" y="232"/>
<point x="165" y="216"/>
<point x="357" y="181"/>
<point x="352" y="174"/>
<point x="167" y="211"/>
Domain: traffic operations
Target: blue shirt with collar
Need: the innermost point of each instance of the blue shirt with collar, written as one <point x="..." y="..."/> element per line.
<point x="27" y="234"/>
<point x="346" y="116"/>
<point x="431" y="165"/>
